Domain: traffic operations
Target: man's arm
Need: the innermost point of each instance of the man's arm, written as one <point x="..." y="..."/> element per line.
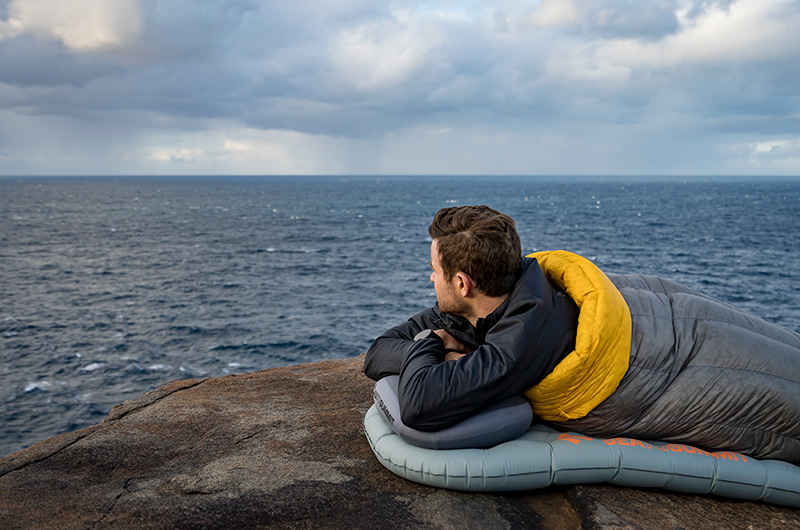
<point x="386" y="355"/>
<point x="518" y="353"/>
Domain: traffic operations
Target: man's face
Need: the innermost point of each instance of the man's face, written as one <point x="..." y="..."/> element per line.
<point x="448" y="297"/>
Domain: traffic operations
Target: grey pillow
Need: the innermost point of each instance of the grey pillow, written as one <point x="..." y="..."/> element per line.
<point x="499" y="423"/>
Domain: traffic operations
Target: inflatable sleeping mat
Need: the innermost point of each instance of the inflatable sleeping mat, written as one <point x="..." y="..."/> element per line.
<point x="499" y="450"/>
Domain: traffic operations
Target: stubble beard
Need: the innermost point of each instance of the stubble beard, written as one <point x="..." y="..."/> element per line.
<point x="450" y="303"/>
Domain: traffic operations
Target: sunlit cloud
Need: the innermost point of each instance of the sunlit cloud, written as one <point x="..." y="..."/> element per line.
<point x="181" y="155"/>
<point x="779" y="153"/>
<point x="80" y="25"/>
<point x="555" y="13"/>
<point x="11" y="28"/>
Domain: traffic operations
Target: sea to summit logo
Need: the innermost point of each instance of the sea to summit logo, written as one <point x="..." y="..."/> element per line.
<point x="379" y="401"/>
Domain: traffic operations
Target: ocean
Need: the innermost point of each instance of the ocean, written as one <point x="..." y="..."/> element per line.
<point x="112" y="287"/>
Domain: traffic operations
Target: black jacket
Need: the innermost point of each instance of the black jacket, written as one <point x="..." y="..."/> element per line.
<point x="517" y="345"/>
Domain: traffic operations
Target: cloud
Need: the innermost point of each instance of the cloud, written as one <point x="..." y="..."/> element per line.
<point x="224" y="147"/>
<point x="509" y="84"/>
<point x="179" y="155"/>
<point x="11" y="28"/>
<point x="555" y="13"/>
<point x="80" y="25"/>
<point x="381" y="56"/>
<point x="609" y="18"/>
<point x="784" y="152"/>
<point x="243" y="147"/>
<point x="742" y="33"/>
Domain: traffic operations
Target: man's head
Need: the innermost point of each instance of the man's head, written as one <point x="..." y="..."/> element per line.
<point x="479" y="242"/>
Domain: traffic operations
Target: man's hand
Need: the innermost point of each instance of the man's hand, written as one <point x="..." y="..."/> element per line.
<point x="454" y="348"/>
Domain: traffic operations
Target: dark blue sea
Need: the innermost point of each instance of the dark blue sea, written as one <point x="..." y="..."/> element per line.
<point x="112" y="287"/>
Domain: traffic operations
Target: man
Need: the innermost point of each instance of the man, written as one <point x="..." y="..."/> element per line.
<point x="648" y="359"/>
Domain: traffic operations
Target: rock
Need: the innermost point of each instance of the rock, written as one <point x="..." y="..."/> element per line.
<point x="285" y="448"/>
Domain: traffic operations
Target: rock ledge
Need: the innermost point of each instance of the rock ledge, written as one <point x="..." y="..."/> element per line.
<point x="284" y="448"/>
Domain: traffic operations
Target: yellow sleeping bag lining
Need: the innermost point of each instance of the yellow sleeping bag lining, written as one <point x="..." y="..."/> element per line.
<point x="592" y="372"/>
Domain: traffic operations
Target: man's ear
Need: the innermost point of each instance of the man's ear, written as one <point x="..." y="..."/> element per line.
<point x="464" y="284"/>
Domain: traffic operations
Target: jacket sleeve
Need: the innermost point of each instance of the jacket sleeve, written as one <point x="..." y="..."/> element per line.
<point x="519" y="351"/>
<point x="386" y="354"/>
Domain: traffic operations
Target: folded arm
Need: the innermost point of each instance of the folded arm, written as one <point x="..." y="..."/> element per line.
<point x="386" y="355"/>
<point x="518" y="352"/>
<point x="435" y="394"/>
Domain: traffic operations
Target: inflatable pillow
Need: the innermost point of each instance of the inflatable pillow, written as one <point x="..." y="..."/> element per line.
<point x="499" y="423"/>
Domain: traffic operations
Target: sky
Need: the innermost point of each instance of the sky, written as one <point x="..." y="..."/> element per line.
<point x="508" y="87"/>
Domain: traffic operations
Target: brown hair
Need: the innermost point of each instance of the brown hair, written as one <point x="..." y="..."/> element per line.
<point x="481" y="242"/>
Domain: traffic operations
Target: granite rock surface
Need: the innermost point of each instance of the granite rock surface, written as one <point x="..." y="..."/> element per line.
<point x="285" y="448"/>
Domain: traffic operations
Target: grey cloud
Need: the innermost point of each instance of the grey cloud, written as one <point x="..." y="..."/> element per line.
<point x="332" y="120"/>
<point x="27" y="62"/>
<point x="700" y="7"/>
<point x="180" y="29"/>
<point x="646" y="20"/>
<point x="726" y="93"/>
<point x="269" y="66"/>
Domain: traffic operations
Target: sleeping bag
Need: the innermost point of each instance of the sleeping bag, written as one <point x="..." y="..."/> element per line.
<point x="698" y="371"/>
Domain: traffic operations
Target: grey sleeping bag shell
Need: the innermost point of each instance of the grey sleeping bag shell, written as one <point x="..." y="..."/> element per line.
<point x="702" y="373"/>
